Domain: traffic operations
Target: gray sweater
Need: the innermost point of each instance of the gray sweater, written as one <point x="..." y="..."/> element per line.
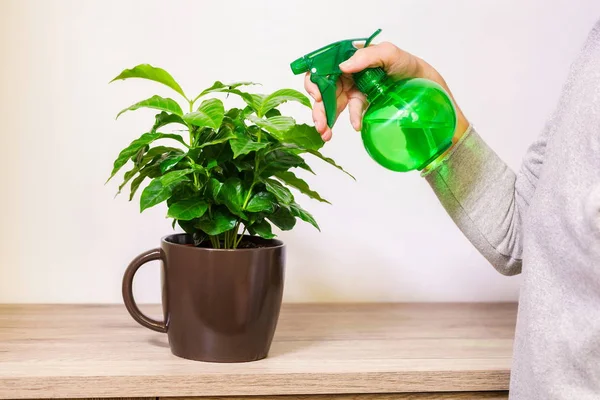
<point x="542" y="221"/>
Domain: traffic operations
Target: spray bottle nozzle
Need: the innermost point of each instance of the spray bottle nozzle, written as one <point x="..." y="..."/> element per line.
<point x="323" y="65"/>
<point x="299" y="66"/>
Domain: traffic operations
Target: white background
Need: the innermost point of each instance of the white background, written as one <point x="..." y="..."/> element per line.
<point x="385" y="238"/>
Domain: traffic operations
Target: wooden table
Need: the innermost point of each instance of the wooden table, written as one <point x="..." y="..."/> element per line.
<point x="378" y="351"/>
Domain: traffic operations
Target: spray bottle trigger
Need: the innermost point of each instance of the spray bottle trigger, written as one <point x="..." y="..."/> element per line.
<point x="327" y="86"/>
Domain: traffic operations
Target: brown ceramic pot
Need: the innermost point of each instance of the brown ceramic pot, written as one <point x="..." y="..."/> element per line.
<point x="218" y="305"/>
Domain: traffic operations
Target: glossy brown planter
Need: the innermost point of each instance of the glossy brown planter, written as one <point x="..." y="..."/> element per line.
<point x="219" y="305"/>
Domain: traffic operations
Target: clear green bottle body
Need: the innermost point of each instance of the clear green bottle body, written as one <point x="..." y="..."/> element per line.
<point x="408" y="123"/>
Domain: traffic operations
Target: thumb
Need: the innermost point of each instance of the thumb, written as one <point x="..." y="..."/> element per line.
<point x="393" y="60"/>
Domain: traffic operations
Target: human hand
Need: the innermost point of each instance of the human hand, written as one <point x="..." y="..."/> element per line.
<point x="396" y="62"/>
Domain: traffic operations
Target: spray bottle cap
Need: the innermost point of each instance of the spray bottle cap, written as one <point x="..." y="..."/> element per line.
<point x="323" y="65"/>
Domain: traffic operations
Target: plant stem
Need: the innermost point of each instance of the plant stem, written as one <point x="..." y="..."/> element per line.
<point x="253" y="183"/>
<point x="234" y="235"/>
<point x="241" y="237"/>
<point x="226" y="239"/>
<point x="248" y="195"/>
<point x="190" y="127"/>
<point x="197" y="97"/>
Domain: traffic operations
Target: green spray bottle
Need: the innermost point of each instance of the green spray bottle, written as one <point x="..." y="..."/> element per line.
<point x="408" y="123"/>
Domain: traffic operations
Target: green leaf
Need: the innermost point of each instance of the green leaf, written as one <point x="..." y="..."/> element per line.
<point x="227" y="88"/>
<point x="306" y="167"/>
<point x="146" y="71"/>
<point x="280" y="160"/>
<point x="146" y="158"/>
<point x="281" y="96"/>
<point x="243" y="165"/>
<point x="163" y="151"/>
<point x="170" y="162"/>
<point x="187" y="226"/>
<point x="243" y="145"/>
<point x="254" y="101"/>
<point x="164" y="119"/>
<point x="161" y="188"/>
<point x="139" y="155"/>
<point x="220" y="221"/>
<point x="303" y="136"/>
<point x="174" y="137"/>
<point x="154" y="193"/>
<point x="188" y="209"/>
<point x="183" y="191"/>
<point x="157" y="103"/>
<point x="232" y="194"/>
<point x="282" y="193"/>
<point x="283" y="219"/>
<point x="135" y="184"/>
<point x="199" y="237"/>
<point x="233" y="114"/>
<point x="224" y="135"/>
<point x="211" y="164"/>
<point x="127" y="177"/>
<point x="262" y="229"/>
<point x="213" y="149"/>
<point x="272" y="113"/>
<point x="132" y="150"/>
<point x="143" y="157"/>
<point x="210" y="113"/>
<point x="276" y="126"/>
<point x="292" y="180"/>
<point x="151" y="168"/>
<point x="214" y="188"/>
<point x="329" y="161"/>
<point x="262" y="201"/>
<point x="138" y="144"/>
<point x="301" y="213"/>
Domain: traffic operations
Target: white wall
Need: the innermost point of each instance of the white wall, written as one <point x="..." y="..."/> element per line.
<point x="386" y="238"/>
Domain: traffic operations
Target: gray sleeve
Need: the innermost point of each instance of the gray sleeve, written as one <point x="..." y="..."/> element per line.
<point x="485" y="198"/>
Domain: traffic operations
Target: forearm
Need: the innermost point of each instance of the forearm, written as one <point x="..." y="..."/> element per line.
<point x="477" y="190"/>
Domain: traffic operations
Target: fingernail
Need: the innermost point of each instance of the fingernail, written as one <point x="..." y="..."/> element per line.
<point x="318" y="125"/>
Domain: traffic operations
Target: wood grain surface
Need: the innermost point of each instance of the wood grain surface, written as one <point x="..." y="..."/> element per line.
<point x="380" y="396"/>
<point x="87" y="351"/>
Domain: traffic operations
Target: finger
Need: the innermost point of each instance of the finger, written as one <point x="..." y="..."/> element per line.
<point x="311" y="88"/>
<point x="327" y="135"/>
<point x="342" y="103"/>
<point x="321" y="121"/>
<point x="357" y="104"/>
<point x="318" y="114"/>
<point x="347" y="82"/>
<point x="339" y="87"/>
<point x="385" y="55"/>
<point x="320" y="118"/>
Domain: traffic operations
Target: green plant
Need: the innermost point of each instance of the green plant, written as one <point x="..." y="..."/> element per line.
<point x="233" y="169"/>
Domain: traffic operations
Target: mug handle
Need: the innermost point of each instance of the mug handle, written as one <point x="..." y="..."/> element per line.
<point x="130" y="304"/>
